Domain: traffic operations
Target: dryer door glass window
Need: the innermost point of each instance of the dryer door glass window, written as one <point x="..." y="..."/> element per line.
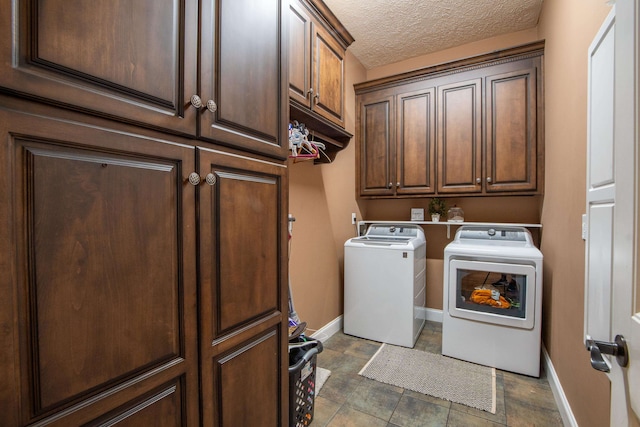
<point x="492" y="292"/>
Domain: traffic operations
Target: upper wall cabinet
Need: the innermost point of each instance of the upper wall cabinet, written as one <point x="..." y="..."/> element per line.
<point x="397" y="160"/>
<point x="460" y="137"/>
<point x="139" y="61"/>
<point x="317" y="47"/>
<point x="487" y="136"/>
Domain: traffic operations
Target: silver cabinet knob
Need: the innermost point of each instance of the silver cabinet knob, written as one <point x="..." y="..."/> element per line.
<point x="196" y="101"/>
<point x="210" y="179"/>
<point x="310" y="92"/>
<point x="212" y="106"/>
<point x="390" y="185"/>
<point x="194" y="178"/>
<point x="478" y="180"/>
<point x="489" y="179"/>
<point x="398" y="184"/>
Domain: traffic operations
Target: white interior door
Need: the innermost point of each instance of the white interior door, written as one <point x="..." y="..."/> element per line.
<point x="625" y="385"/>
<point x="612" y="275"/>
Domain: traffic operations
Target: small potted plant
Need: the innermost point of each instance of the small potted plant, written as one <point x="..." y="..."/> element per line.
<point x="437" y="208"/>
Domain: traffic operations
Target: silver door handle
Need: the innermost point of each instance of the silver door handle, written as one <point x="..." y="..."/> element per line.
<point x="618" y="348"/>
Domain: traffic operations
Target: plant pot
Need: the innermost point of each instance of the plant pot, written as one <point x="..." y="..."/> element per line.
<point x="435" y="217"/>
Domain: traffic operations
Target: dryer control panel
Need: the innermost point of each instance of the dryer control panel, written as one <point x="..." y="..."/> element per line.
<point x="505" y="234"/>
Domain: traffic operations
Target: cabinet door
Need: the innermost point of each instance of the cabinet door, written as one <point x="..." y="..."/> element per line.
<point x="243" y="77"/>
<point x="416" y="142"/>
<point x="511" y="131"/>
<point x="132" y="60"/>
<point x="243" y="296"/>
<point x="377" y="150"/>
<point x="460" y="137"/>
<point x="299" y="54"/>
<point x="99" y="277"/>
<point x="328" y="76"/>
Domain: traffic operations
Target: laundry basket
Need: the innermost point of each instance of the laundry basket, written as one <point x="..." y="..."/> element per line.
<point x="302" y="380"/>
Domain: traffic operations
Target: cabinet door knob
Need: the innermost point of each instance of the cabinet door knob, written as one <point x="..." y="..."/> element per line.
<point x="310" y="92"/>
<point x="478" y="180"/>
<point x="398" y="184"/>
<point x="212" y="106"/>
<point x="316" y="98"/>
<point x="489" y="179"/>
<point x="194" y="178"/>
<point x="210" y="179"/>
<point x="390" y="185"/>
<point x="196" y="101"/>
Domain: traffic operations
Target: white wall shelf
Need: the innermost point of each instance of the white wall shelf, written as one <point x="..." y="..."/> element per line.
<point x="448" y="224"/>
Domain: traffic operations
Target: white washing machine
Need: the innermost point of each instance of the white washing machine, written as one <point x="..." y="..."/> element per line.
<point x="385" y="284"/>
<point x="492" y="305"/>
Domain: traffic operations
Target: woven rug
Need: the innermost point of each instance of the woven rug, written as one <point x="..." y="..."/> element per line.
<point x="322" y="375"/>
<point x="436" y="375"/>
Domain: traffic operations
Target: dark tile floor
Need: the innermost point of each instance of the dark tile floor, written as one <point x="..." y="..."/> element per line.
<point x="347" y="399"/>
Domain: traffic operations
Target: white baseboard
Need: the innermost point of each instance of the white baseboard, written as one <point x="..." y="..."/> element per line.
<point x="430" y="314"/>
<point x="558" y="393"/>
<point x="324" y="333"/>
<point x="328" y="330"/>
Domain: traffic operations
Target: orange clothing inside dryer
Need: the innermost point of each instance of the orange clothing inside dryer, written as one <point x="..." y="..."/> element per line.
<point x="484" y="296"/>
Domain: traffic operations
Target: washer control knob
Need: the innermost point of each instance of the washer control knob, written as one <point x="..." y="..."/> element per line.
<point x="491" y="232"/>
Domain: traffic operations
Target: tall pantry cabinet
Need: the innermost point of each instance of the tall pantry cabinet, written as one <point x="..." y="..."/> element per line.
<point x="143" y="209"/>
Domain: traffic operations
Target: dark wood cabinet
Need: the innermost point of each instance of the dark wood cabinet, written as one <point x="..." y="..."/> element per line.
<point x="105" y="317"/>
<point x="242" y="73"/>
<point x="317" y="48"/>
<point x="143" y="239"/>
<point x="377" y="145"/>
<point x="397" y="143"/>
<point x="460" y="137"/>
<point x="300" y="22"/>
<point x="416" y="131"/>
<point x="139" y="62"/>
<point x="511" y="146"/>
<point x="316" y="59"/>
<point x="512" y="123"/>
<point x="487" y="135"/>
<point x="243" y="301"/>
<point x="99" y="242"/>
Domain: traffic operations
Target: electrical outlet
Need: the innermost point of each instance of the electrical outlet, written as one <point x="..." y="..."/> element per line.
<point x="353" y="218"/>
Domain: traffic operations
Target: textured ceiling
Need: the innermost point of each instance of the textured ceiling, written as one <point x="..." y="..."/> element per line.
<point x="388" y="31"/>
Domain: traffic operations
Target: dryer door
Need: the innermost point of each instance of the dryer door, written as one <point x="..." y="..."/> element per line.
<point x="492" y="292"/>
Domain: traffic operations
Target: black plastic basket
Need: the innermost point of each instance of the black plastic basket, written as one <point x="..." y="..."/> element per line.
<point x="302" y="380"/>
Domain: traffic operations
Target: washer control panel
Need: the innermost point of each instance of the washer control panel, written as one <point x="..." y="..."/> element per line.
<point x="395" y="230"/>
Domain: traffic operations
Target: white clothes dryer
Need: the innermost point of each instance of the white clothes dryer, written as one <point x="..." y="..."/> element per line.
<point x="385" y="284"/>
<point x="492" y="302"/>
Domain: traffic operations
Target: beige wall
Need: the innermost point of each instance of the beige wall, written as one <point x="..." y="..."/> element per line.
<point x="568" y="27"/>
<point x="323" y="197"/>
<point x="475" y="48"/>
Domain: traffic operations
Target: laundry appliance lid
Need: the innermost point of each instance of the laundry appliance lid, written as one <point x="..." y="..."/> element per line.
<point x="505" y="242"/>
<point x="409" y="235"/>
